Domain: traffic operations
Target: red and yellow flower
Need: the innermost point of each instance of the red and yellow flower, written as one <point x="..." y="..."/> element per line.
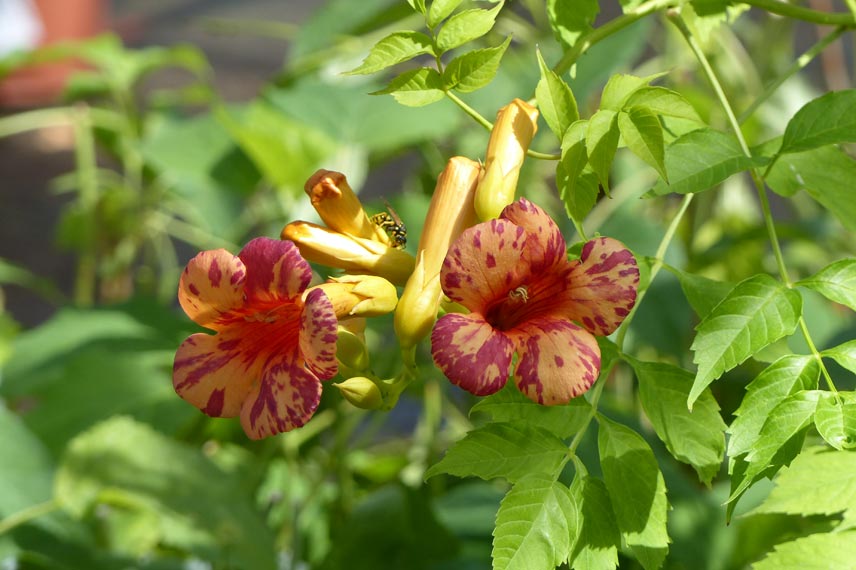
<point x="275" y="340"/>
<point x="525" y="297"/>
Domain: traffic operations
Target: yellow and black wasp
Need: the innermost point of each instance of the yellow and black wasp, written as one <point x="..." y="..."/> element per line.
<point x="392" y="225"/>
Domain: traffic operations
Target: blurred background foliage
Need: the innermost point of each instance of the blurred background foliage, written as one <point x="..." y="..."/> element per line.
<point x="102" y="466"/>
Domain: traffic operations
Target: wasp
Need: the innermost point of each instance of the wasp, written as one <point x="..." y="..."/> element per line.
<point x="392" y="225"/>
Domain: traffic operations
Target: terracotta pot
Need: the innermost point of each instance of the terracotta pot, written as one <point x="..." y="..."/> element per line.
<point x="62" y="20"/>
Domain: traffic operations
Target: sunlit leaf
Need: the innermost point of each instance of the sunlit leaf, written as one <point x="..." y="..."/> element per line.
<point x="829" y="119"/>
<point x="440" y="10"/>
<point x="577" y="189"/>
<point x="535" y="526"/>
<point x="473" y="70"/>
<point x="696" y="438"/>
<point x="620" y="88"/>
<point x="833" y="550"/>
<point x="756" y="313"/>
<point x="508" y="450"/>
<point x="663" y="102"/>
<point x="636" y="487"/>
<point x="466" y="26"/>
<point x="394" y="48"/>
<point x="599" y="537"/>
<point x="835" y="419"/>
<point x="555" y="100"/>
<point x="570" y="20"/>
<point x="836" y="282"/>
<point x="416" y="88"/>
<point x="843" y="354"/>
<point x="643" y="135"/>
<point x="601" y="143"/>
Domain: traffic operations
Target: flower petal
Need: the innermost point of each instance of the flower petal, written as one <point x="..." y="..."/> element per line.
<point x="213" y="373"/>
<point x="318" y="333"/>
<point x="603" y="285"/>
<point x="471" y="353"/>
<point x="557" y="360"/>
<point x="275" y="270"/>
<point x="285" y="399"/>
<point x="211" y="285"/>
<point x="485" y="263"/>
<point x="548" y="246"/>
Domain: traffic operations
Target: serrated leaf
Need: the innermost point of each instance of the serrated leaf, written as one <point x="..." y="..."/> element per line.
<point x="701" y="159"/>
<point x="577" y="189"/>
<point x="395" y="48"/>
<point x="570" y="20"/>
<point x="508" y="450"/>
<point x="756" y="313"/>
<point x="555" y="100"/>
<point x="663" y="102"/>
<point x="601" y="143"/>
<point x="786" y="376"/>
<point x="440" y="10"/>
<point x="825" y="174"/>
<point x="696" y="438"/>
<point x="788" y="420"/>
<point x="836" y="282"/>
<point x="620" y="87"/>
<point x="536" y="525"/>
<point x="416" y="88"/>
<point x="643" y="135"/>
<point x="509" y="405"/>
<point x="702" y="294"/>
<point x="599" y="538"/>
<point x="843" y="354"/>
<point x="636" y="487"/>
<point x="819" y="481"/>
<point x="466" y="26"/>
<point x="829" y="119"/>
<point x="475" y="69"/>
<point x="835" y="419"/>
<point x="827" y="551"/>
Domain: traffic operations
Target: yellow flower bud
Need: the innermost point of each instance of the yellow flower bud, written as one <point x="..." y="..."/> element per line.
<point x="515" y="126"/>
<point x="451" y="212"/>
<point x="357" y="255"/>
<point x="351" y="350"/>
<point x="361" y="392"/>
<point x="360" y="295"/>
<point x="339" y="207"/>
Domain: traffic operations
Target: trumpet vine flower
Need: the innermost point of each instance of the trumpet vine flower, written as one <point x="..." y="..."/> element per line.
<point x="526" y="297"/>
<point x="274" y="340"/>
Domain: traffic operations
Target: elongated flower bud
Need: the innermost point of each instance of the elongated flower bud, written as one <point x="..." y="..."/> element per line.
<point x="451" y="212"/>
<point x="361" y="392"/>
<point x="357" y="255"/>
<point x="515" y="126"/>
<point x="360" y="295"/>
<point x="339" y="207"/>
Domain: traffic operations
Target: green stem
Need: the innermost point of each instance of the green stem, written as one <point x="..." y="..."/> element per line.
<point x="469" y="110"/>
<point x="27" y="515"/>
<point x="756" y="178"/>
<point x="595" y="398"/>
<point x="659" y="257"/>
<point x="87" y="183"/>
<point x="796" y="66"/>
<point x="805" y="14"/>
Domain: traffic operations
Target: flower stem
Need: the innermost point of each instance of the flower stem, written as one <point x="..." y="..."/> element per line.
<point x="595" y="398"/>
<point x="87" y="183"/>
<point x="30" y="513"/>
<point x="675" y="17"/>
<point x="805" y="14"/>
<point x="469" y="110"/>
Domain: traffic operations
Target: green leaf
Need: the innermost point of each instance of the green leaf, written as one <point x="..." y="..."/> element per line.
<point x="416" y="88"/>
<point x="620" y="88"/>
<point x="702" y="294"/>
<point x="843" y="354"/>
<point x="599" y="537"/>
<point x="836" y="420"/>
<point x="475" y="69"/>
<point x="510" y="405"/>
<point x="829" y="551"/>
<point x="701" y="159"/>
<point x="466" y="26"/>
<point x="786" y="376"/>
<point x="13" y="274"/>
<point x="819" y="481"/>
<point x="27" y="473"/>
<point x="636" y="487"/>
<point x="555" y="100"/>
<point x="829" y="119"/>
<point x="836" y="282"/>
<point x="200" y="508"/>
<point x="788" y="420"/>
<point x="643" y="134"/>
<point x="394" y="48"/>
<point x="570" y="20"/>
<point x="508" y="450"/>
<point x="825" y="174"/>
<point x="758" y="312"/>
<point x="440" y="10"/>
<point x="417" y="5"/>
<point x="536" y="525"/>
<point x="601" y="143"/>
<point x="696" y="438"/>
<point x="577" y="189"/>
<point x="663" y="102"/>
